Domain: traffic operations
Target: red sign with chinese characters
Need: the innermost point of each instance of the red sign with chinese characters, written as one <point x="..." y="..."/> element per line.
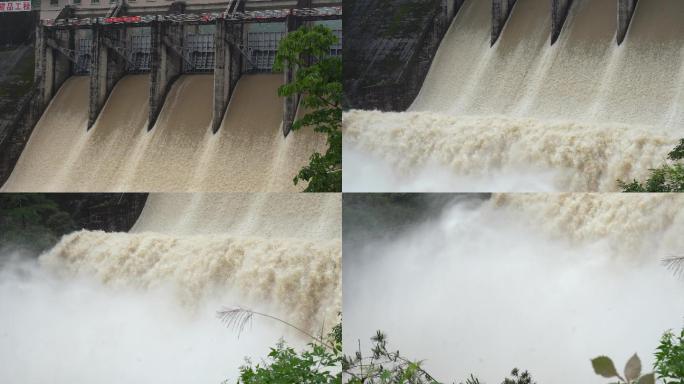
<point x="123" y="19"/>
<point x="15" y="6"/>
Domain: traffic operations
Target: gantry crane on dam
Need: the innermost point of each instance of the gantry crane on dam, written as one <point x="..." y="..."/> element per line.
<point x="106" y="40"/>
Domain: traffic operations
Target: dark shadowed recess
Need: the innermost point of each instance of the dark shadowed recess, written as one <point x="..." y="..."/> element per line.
<point x="33" y="222"/>
<point x="388" y="48"/>
<point x="369" y="217"/>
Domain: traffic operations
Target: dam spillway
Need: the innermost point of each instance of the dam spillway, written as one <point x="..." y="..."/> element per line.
<point x="500" y="99"/>
<point x="179" y="154"/>
<point x="134" y="73"/>
<point x="585" y="76"/>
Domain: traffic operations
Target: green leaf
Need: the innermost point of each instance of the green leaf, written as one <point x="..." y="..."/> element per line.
<point x="604" y="366"/>
<point x="647" y="379"/>
<point x="633" y="368"/>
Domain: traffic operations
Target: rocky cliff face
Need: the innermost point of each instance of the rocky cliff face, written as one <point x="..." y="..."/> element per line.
<point x="388" y="50"/>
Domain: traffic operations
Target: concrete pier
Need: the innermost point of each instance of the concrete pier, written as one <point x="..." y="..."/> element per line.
<point x="166" y="64"/>
<point x="625" y="12"/>
<point x="227" y="67"/>
<point x="559" y="13"/>
<point x="54" y="60"/>
<point x="108" y="65"/>
<point x="501" y="11"/>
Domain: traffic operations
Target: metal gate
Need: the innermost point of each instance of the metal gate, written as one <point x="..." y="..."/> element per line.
<point x="139" y="53"/>
<point x="336" y="49"/>
<point x="262" y="48"/>
<point x="198" y="53"/>
<point x="83" y="50"/>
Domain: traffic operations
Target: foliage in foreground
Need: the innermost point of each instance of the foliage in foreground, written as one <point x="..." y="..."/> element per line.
<point x="518" y="377"/>
<point x="669" y="364"/>
<point x="604" y="366"/>
<point x="385" y="366"/>
<point x="667" y="178"/>
<point x="318" y="364"/>
<point x="669" y="358"/>
<point x="318" y="81"/>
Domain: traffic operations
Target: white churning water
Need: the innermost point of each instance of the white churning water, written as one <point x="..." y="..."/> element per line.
<point x="140" y="307"/>
<point x="542" y="282"/>
<point x="180" y="154"/>
<point x="582" y="109"/>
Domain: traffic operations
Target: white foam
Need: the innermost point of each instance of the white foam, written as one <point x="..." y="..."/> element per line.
<point x="541" y="282"/>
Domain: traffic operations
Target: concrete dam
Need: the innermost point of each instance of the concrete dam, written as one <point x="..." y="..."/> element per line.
<point x="140" y="306"/>
<point x="533" y="95"/>
<point x="183" y="100"/>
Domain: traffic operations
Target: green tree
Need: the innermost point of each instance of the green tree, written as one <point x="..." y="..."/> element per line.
<point x="284" y="365"/>
<point x="384" y="366"/>
<point x="519" y="378"/>
<point x="669" y="358"/>
<point x="668" y="178"/>
<point x="318" y="81"/>
<point x="31" y="221"/>
<point x="318" y="364"/>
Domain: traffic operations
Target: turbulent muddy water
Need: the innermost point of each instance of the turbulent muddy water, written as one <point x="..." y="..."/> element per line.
<point x="579" y="114"/>
<point x="179" y="154"/>
<point x="538" y="282"/>
<point x="140" y="307"/>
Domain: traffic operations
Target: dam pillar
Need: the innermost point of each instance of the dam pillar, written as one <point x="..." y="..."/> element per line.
<point x="166" y="64"/>
<point x="108" y="65"/>
<point x="625" y="13"/>
<point x="559" y="12"/>
<point x="43" y="75"/>
<point x="227" y="68"/>
<point x="501" y="11"/>
<point x="53" y="60"/>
